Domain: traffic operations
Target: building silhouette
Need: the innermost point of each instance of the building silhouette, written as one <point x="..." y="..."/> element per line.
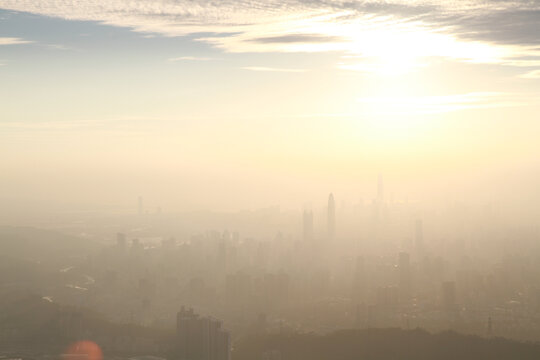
<point x="448" y="296"/>
<point x="201" y="338"/>
<point x="140" y="208"/>
<point x="331" y="217"/>
<point x="308" y="225"/>
<point x="405" y="277"/>
<point x="121" y="241"/>
<point x="419" y="236"/>
<point x="380" y="189"/>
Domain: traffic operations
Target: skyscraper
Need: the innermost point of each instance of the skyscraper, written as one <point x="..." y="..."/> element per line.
<point x="331" y="217"/>
<point x="201" y="338"/>
<point x="419" y="236"/>
<point x="121" y="241"/>
<point x="308" y="225"/>
<point x="380" y="188"/>
<point x="448" y="296"/>
<point x="140" y="205"/>
<point x="404" y="268"/>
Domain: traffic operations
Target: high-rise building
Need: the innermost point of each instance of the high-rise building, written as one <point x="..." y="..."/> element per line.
<point x="331" y="217"/>
<point x="121" y="241"/>
<point x="419" y="236"/>
<point x="387" y="298"/>
<point x="448" y="296"/>
<point x="140" y="205"/>
<point x="201" y="338"/>
<point x="405" y="277"/>
<point x="380" y="188"/>
<point x="360" y="285"/>
<point x="308" y="224"/>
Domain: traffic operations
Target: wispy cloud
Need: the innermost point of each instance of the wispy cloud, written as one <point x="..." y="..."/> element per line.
<point x="125" y="123"/>
<point x="295" y="38"/>
<point x="57" y="46"/>
<point x="13" y="40"/>
<point x="272" y="69"/>
<point x="466" y="30"/>
<point x="418" y="105"/>
<point x="535" y="74"/>
<point x="190" y="58"/>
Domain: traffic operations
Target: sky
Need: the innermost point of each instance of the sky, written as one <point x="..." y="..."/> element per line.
<point x="239" y="104"/>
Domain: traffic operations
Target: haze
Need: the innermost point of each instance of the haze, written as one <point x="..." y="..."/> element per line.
<point x="347" y="159"/>
<point x="201" y="106"/>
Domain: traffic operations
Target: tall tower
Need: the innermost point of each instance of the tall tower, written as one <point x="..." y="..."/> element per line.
<point x="140" y="206"/>
<point x="380" y="188"/>
<point x="405" y="280"/>
<point x="331" y="217"/>
<point x="419" y="236"/>
<point x="308" y="225"/>
<point x="448" y="295"/>
<point x="201" y="338"/>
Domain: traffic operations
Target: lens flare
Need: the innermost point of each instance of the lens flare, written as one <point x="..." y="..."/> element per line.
<point x="83" y="350"/>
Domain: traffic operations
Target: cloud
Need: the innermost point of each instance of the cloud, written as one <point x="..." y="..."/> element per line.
<point x="271" y="69"/>
<point x="534" y="74"/>
<point x="190" y="58"/>
<point x="13" y="41"/>
<point x="57" y="46"/>
<point x="296" y="38"/>
<point x="133" y="124"/>
<point x="507" y="26"/>
<point x="495" y="32"/>
<point x="435" y="104"/>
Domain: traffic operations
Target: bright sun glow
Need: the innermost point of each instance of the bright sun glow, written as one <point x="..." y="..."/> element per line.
<point x="394" y="48"/>
<point x="381" y="45"/>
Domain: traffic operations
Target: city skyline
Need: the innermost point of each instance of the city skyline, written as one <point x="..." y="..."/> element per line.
<point x="269" y="179"/>
<point x="173" y="99"/>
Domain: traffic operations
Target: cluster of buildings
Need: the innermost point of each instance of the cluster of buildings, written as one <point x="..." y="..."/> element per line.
<point x="201" y="338"/>
<point x="377" y="264"/>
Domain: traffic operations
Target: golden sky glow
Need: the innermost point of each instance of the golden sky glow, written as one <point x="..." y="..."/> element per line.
<point x="258" y="92"/>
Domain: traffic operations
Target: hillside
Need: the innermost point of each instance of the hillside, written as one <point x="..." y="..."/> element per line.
<point x="42" y="245"/>
<point x="31" y="323"/>
<point x="382" y="344"/>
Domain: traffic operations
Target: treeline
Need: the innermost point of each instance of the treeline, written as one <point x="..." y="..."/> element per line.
<point x="35" y="324"/>
<point x="381" y="344"/>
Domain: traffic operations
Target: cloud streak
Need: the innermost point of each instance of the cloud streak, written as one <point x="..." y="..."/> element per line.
<point x="436" y="104"/>
<point x="13" y="41"/>
<point x="190" y="58"/>
<point x="534" y="74"/>
<point x="271" y="69"/>
<point x="501" y="32"/>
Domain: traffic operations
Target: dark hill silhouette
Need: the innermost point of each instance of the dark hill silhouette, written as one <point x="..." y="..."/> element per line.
<point x="382" y="344"/>
<point x="31" y="323"/>
<point x="42" y="245"/>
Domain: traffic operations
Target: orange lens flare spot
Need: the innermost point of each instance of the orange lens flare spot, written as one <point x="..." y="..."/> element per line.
<point x="83" y="350"/>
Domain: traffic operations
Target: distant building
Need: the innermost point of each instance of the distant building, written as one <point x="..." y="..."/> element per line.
<point x="308" y="225"/>
<point x="331" y="217"/>
<point x="121" y="241"/>
<point x="448" y="296"/>
<point x="201" y="338"/>
<point x="360" y="286"/>
<point x="136" y="246"/>
<point x="71" y="323"/>
<point x="419" y="236"/>
<point x="387" y="298"/>
<point x="380" y="189"/>
<point x="405" y="277"/>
